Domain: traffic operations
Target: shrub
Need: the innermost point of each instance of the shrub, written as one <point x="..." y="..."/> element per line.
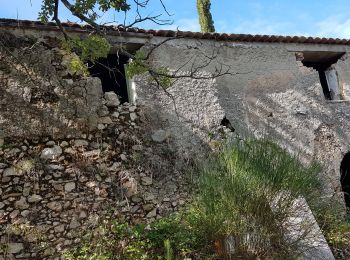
<point x="247" y="192"/>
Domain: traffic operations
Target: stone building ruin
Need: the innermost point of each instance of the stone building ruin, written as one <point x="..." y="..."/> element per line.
<point x="294" y="90"/>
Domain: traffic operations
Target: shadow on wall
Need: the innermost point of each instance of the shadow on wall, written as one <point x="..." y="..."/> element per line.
<point x="345" y="178"/>
<point x="297" y="116"/>
<point x="269" y="93"/>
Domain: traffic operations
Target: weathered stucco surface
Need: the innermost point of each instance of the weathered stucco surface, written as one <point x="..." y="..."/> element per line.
<point x="188" y="117"/>
<point x="269" y="93"/>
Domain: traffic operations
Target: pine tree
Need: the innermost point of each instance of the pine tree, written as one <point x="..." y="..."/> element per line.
<point x="205" y="19"/>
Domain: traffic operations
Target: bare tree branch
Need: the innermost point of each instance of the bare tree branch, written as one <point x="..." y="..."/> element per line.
<point x="82" y="17"/>
<point x="164" y="8"/>
<point x="57" y="20"/>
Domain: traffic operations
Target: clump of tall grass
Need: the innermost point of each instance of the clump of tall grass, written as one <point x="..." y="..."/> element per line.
<point x="247" y="192"/>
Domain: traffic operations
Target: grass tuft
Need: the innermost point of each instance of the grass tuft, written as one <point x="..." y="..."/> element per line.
<point x="248" y="191"/>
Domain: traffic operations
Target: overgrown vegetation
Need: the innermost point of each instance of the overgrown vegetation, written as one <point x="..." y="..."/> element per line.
<point x="335" y="225"/>
<point x="245" y="194"/>
<point x="168" y="238"/>
<point x="246" y="186"/>
<point x="96" y="45"/>
<point x="89" y="49"/>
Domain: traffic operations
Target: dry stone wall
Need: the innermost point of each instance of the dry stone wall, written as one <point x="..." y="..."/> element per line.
<point x="39" y="95"/>
<point x="53" y="191"/>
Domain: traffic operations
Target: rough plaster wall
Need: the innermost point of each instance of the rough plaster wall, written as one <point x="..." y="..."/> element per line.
<point x="343" y="69"/>
<point x="268" y="94"/>
<point x="197" y="112"/>
<point x="38" y="96"/>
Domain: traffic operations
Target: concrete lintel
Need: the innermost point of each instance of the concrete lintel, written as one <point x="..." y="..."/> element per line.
<point x="301" y="229"/>
<point x="120" y="38"/>
<point x="317" y="47"/>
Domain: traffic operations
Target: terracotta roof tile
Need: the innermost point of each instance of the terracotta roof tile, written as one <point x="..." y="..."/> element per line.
<point x="37" y="25"/>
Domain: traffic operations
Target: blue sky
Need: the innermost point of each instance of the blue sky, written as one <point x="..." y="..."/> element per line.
<point x="326" y="18"/>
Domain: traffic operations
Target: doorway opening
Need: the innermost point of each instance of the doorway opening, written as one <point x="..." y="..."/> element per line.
<point x="345" y="178"/>
<point x="111" y="72"/>
<point x="324" y="62"/>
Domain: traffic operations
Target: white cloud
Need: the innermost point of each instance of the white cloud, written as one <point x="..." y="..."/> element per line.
<point x="334" y="26"/>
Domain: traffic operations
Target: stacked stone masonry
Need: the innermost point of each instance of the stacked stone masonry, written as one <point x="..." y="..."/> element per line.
<point x="54" y="190"/>
<point x="69" y="154"/>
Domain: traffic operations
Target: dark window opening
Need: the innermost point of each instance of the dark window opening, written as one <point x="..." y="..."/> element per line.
<point x="111" y="72"/>
<point x="345" y="178"/>
<point x="322" y="62"/>
<point x="324" y="84"/>
<point x="225" y="122"/>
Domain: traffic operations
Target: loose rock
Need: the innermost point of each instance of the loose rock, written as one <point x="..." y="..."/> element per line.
<point x="68" y="187"/>
<point x="146" y="181"/>
<point x="51" y="153"/>
<point x="133" y="116"/>
<point x="12" y="172"/>
<point x="34" y="198"/>
<point x="22" y="203"/>
<point x="112" y="99"/>
<point x="15" y="248"/>
<point x="159" y="136"/>
<point x="81" y="142"/>
<point x="55" y="206"/>
<point x="152" y="213"/>
<point x="106" y="120"/>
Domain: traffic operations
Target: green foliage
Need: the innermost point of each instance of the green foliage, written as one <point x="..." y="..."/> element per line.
<point x="89" y="49"/>
<point x="87" y="8"/>
<point x="167" y="238"/>
<point x="94" y="47"/>
<point x="205" y="19"/>
<point x="236" y="190"/>
<point x="168" y="250"/>
<point x="78" y="67"/>
<point x="47" y="9"/>
<point x="178" y="229"/>
<point x="112" y="240"/>
<point x="163" y="78"/>
<point x="138" y="66"/>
